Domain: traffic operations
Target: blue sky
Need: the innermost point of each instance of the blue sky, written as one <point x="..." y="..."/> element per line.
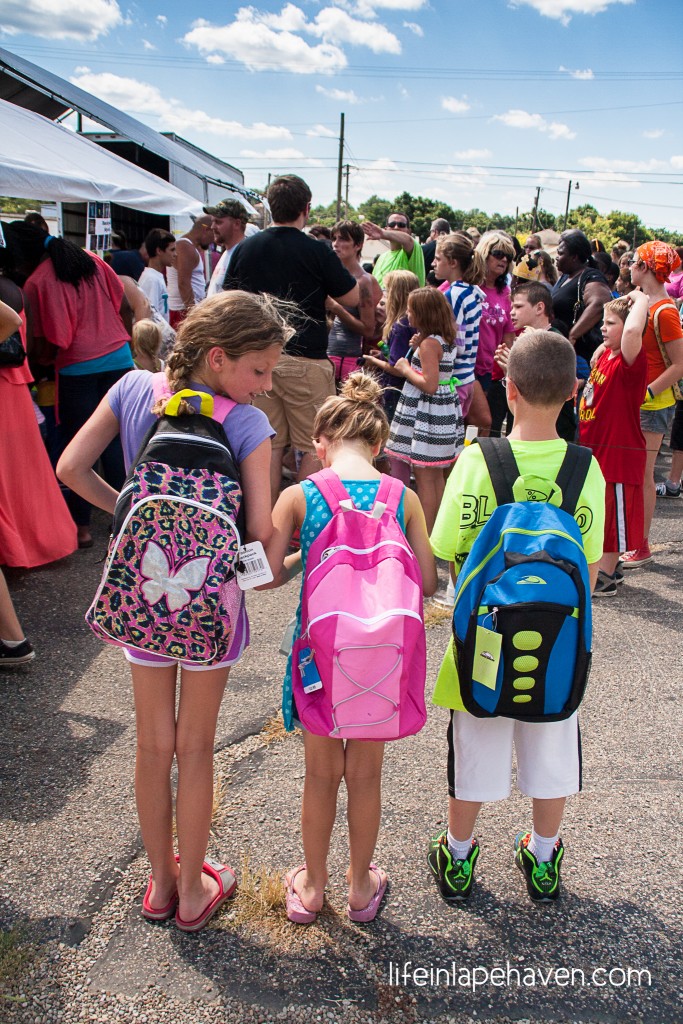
<point x="476" y="102"/>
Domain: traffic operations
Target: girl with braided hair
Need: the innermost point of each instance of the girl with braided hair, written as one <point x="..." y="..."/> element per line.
<point x="81" y="322"/>
<point x="227" y="345"/>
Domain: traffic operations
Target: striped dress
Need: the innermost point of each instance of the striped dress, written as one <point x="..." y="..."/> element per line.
<point x="428" y="430"/>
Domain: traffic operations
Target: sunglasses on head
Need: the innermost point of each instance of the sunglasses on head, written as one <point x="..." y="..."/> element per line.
<point x="498" y="254"/>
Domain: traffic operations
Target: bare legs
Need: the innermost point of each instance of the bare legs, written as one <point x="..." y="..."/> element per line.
<point x="653" y="443"/>
<point x="10" y="627"/>
<point x="462" y="817"/>
<point x="191" y="738"/>
<point x="328" y="761"/>
<point x="430" y="487"/>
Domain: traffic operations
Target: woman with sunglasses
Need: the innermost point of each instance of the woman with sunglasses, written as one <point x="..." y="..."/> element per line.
<point x="495" y="328"/>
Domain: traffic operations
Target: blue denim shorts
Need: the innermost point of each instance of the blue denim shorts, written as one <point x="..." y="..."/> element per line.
<point x="656" y="421"/>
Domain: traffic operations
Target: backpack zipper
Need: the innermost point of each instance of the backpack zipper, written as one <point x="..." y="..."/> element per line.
<point x="359" y="551"/>
<point x="187" y="438"/>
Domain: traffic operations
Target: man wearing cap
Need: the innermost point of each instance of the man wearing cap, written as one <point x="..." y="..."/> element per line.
<point x="285" y="262"/>
<point x="186" y="281"/>
<point x="228" y="223"/>
<point x="403" y="254"/>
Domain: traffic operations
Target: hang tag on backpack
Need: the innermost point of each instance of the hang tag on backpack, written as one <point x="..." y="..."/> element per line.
<point x="253" y="569"/>
<point x="487" y="651"/>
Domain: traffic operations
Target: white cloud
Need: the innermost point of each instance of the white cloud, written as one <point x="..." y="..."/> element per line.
<point x="473" y="154"/>
<point x="677" y="162"/>
<point x="335" y="26"/>
<point x="583" y="76"/>
<point x="454" y="105"/>
<point x="413" y="27"/>
<point x="60" y="19"/>
<point x="147" y="45"/>
<point x="138" y="97"/>
<point x="562" y="10"/>
<point x="251" y="39"/>
<point x="523" y="119"/>
<point x="264" y="40"/>
<point x="655" y="133"/>
<point x="162" y="19"/>
<point x="378" y="178"/>
<point x="344" y="96"/>
<point x="320" y="131"/>
<point x="215" y="58"/>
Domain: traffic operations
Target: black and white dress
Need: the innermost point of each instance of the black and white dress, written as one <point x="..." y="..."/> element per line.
<point x="427" y="430"/>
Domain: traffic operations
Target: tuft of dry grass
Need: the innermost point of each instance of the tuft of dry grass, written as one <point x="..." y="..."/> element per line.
<point x="274" y="730"/>
<point x="435" y="614"/>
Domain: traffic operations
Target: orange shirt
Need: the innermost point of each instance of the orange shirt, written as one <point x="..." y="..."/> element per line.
<point x="669" y="330"/>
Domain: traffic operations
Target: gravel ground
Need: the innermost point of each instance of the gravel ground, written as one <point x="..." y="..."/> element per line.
<point x="72" y="869"/>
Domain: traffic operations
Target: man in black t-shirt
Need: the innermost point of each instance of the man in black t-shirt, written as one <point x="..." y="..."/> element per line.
<point x="285" y="262"/>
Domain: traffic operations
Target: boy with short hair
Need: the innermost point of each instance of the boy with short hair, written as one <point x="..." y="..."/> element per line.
<point x="609" y="424"/>
<point x="161" y="249"/>
<point x="541" y="376"/>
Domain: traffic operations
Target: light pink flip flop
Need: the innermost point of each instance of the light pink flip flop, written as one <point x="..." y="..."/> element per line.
<point x="369" y="913"/>
<point x="296" y="911"/>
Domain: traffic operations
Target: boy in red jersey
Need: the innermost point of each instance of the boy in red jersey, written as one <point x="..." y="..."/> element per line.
<point x="609" y="423"/>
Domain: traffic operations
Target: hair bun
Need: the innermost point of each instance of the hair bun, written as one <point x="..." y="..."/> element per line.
<point x="360" y="386"/>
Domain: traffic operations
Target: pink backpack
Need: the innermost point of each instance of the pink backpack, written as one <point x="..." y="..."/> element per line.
<point x="359" y="664"/>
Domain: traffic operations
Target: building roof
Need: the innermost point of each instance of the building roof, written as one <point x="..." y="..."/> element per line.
<point x="34" y="88"/>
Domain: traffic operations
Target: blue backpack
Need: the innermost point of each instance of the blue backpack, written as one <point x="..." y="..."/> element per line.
<point x="522" y="618"/>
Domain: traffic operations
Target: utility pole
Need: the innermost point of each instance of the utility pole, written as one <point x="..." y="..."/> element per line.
<point x="340" y="166"/>
<point x="535" y="212"/>
<point x="346" y="191"/>
<point x="516" y="219"/>
<point x="566" y="209"/>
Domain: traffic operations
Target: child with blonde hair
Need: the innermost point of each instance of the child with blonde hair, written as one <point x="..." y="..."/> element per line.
<point x="427" y="430"/>
<point x="146" y="341"/>
<point x="227" y="346"/>
<point x="349" y="431"/>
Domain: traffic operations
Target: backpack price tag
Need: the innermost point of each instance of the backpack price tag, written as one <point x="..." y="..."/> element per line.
<point x="310" y="677"/>
<point x="487" y="651"/>
<point x="252" y="567"/>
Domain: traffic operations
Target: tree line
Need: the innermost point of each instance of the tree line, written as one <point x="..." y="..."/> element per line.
<point x="609" y="227"/>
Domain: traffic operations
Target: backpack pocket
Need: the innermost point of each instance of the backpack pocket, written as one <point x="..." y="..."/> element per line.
<point x="169" y="584"/>
<point x="543" y="666"/>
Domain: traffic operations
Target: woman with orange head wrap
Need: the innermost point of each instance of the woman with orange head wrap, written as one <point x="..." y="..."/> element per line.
<point x="651" y="266"/>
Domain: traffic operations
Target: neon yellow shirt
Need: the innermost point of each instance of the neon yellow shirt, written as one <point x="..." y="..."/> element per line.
<point x="469" y="501"/>
<point x="398" y="259"/>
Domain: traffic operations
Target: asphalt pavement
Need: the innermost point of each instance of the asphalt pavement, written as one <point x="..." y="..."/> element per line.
<point x="73" y="871"/>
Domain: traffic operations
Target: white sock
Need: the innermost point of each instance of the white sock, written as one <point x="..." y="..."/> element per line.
<point x="459" y="849"/>
<point x="541" y="846"/>
<point x="13" y="643"/>
<point x="673" y="484"/>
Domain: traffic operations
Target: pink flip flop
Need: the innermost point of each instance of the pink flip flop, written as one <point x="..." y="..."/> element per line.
<point x="151" y="913"/>
<point x="296" y="911"/>
<point x="369" y="913"/>
<point x="227" y="884"/>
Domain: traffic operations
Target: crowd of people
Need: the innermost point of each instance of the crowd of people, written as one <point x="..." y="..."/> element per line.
<point x="366" y="371"/>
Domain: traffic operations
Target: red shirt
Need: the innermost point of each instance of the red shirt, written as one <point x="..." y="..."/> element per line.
<point x="609" y="417"/>
<point x="84" y="323"/>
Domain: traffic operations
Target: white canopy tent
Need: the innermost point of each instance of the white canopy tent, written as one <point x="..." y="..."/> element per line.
<point x="44" y="160"/>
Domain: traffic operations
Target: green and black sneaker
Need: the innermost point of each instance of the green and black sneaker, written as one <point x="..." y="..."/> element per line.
<point x="453" y="877"/>
<point x="542" y="880"/>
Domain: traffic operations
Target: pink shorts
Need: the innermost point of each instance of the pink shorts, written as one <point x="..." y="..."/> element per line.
<point x="239" y="644"/>
<point x="465" y="396"/>
<point x="343" y="366"/>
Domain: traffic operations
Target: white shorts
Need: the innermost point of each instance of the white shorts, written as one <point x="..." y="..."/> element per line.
<point x="480" y="757"/>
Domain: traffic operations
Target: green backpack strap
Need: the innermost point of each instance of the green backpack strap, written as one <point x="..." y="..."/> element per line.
<point x="572" y="476"/>
<point x="501" y="465"/>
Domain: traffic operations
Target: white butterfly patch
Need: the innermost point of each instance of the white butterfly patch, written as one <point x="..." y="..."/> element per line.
<point x="162" y="581"/>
